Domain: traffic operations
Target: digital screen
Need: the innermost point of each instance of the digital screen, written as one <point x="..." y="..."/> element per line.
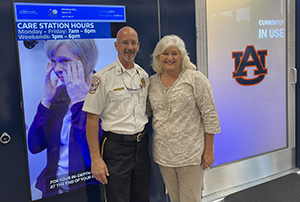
<point x="49" y="38"/>
<point x="247" y="71"/>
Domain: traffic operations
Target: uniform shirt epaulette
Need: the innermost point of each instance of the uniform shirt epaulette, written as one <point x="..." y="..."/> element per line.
<point x="106" y="69"/>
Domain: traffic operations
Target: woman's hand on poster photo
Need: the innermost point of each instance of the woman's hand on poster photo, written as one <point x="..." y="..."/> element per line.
<point x="76" y="83"/>
<point x="49" y="87"/>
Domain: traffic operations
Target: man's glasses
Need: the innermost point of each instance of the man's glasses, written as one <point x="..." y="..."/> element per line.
<point x="133" y="89"/>
<point x="126" y="43"/>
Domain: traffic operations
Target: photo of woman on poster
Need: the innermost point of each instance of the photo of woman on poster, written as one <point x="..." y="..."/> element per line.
<point x="59" y="123"/>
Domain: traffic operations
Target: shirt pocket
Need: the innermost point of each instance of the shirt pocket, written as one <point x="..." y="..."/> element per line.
<point x="120" y="102"/>
<point x="142" y="99"/>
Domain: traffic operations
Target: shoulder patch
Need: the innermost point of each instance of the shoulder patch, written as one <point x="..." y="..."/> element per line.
<point x="94" y="84"/>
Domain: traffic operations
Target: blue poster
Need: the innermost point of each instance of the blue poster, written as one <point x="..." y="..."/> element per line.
<point x="56" y="43"/>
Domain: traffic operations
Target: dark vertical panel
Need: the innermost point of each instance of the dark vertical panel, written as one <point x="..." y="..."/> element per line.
<point x="297" y="89"/>
<point x="142" y="15"/>
<point x="178" y="17"/>
<point x="13" y="173"/>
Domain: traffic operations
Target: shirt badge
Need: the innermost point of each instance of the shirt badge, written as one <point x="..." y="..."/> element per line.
<point x="94" y="84"/>
<point x="143" y="82"/>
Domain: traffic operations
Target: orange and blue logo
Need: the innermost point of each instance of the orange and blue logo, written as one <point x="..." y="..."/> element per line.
<point x="249" y="58"/>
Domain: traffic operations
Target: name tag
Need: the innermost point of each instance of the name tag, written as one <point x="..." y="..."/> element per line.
<point x="117" y="89"/>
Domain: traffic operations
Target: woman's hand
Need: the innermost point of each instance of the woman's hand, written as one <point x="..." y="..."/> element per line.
<point x="75" y="82"/>
<point x="49" y="87"/>
<point x="208" y="158"/>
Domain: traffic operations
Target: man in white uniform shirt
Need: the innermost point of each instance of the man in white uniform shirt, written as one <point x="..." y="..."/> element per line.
<point x="118" y="96"/>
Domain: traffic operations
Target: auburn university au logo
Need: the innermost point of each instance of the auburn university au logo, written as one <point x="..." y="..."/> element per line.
<point x="249" y="58"/>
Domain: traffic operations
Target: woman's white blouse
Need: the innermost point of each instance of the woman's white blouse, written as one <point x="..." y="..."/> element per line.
<point x="182" y="114"/>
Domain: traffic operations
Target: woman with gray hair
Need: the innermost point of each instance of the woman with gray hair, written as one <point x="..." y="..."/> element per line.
<point x="59" y="124"/>
<point x="185" y="120"/>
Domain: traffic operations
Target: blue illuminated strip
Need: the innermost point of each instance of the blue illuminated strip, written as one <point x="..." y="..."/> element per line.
<point x="44" y="21"/>
<point x="53" y="12"/>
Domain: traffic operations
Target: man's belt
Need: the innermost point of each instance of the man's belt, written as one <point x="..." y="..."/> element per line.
<point x="126" y="138"/>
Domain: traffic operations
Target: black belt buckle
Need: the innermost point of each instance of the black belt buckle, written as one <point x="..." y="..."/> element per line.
<point x="139" y="137"/>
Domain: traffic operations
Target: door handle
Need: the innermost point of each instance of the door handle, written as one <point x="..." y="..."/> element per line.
<point x="5" y="138"/>
<point x="295" y="75"/>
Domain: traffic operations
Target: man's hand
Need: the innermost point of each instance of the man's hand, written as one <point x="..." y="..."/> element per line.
<point x="100" y="171"/>
<point x="99" y="168"/>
